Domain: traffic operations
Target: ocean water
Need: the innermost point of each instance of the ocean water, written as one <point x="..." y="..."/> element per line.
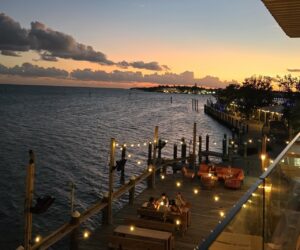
<point x="69" y="130"/>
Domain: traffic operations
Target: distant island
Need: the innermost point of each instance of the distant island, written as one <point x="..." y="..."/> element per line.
<point x="175" y="89"/>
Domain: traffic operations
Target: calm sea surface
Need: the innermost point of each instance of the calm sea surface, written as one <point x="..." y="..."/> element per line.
<point x="69" y="130"/>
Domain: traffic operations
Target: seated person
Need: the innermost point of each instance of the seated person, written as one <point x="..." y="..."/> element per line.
<point x="173" y="207"/>
<point x="150" y="204"/>
<point x="163" y="200"/>
<point x="180" y="201"/>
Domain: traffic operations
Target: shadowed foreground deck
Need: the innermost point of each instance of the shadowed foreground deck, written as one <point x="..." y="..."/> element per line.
<point x="205" y="211"/>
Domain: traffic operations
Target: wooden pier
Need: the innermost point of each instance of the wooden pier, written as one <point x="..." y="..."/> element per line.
<point x="205" y="211"/>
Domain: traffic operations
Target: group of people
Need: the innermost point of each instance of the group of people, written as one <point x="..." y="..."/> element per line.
<point x="165" y="204"/>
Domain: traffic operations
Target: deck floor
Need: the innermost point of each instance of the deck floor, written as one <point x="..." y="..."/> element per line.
<point x="205" y="211"/>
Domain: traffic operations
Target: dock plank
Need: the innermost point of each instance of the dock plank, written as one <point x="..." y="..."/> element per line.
<point x="204" y="210"/>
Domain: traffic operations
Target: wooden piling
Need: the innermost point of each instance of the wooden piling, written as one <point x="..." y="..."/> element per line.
<point x="183" y="151"/>
<point x="72" y="197"/>
<point x="111" y="178"/>
<point x="159" y="149"/>
<point x="200" y="150"/>
<point x="224" y="147"/>
<point x="155" y="142"/>
<point x="105" y="211"/>
<point x="149" y="153"/>
<point x="151" y="178"/>
<point x="74" y="237"/>
<point x="245" y="149"/>
<point x="194" y="145"/>
<point x="28" y="201"/>
<point x="132" y="191"/>
<point x="123" y="156"/>
<point x="175" y="151"/>
<point x="207" y="149"/>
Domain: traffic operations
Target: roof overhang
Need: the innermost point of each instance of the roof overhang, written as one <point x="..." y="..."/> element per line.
<point x="287" y="15"/>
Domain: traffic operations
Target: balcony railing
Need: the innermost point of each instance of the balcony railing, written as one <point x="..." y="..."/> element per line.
<point x="267" y="217"/>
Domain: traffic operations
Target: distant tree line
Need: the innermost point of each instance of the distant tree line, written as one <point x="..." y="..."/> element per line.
<point x="257" y="92"/>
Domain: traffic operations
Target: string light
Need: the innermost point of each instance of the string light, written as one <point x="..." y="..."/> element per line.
<point x="86" y="234"/>
<point x="178" y="184"/>
<point x="222" y="214"/>
<point x="131" y="228"/>
<point x="263" y="157"/>
<point x="244" y="205"/>
<point x="129" y="156"/>
<point x="196" y="191"/>
<point x="117" y="145"/>
<point x="139" y="145"/>
<point x="125" y="145"/>
<point x="178" y="222"/>
<point x="37" y="239"/>
<point x="216" y="198"/>
<point x="150" y="169"/>
<point x="132" y="145"/>
<point x="162" y="176"/>
<point x="250" y="141"/>
<point x="139" y="163"/>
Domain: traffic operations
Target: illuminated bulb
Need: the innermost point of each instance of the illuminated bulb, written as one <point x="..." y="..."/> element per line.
<point x="139" y="163"/>
<point x="150" y="169"/>
<point x="250" y="201"/>
<point x="162" y="203"/>
<point x="178" y="184"/>
<point x="154" y="141"/>
<point x="139" y="145"/>
<point x="282" y="160"/>
<point x="216" y="198"/>
<point x="222" y="214"/>
<point x="145" y="144"/>
<point x="263" y="157"/>
<point x="198" y="143"/>
<point x="117" y="145"/>
<point x="244" y="205"/>
<point x="215" y="143"/>
<point x="178" y="222"/>
<point x="265" y="169"/>
<point x="181" y="142"/>
<point x="132" y="145"/>
<point x="86" y="234"/>
<point x="232" y="142"/>
<point x="121" y="149"/>
<point x="250" y="141"/>
<point x="129" y="156"/>
<point x="131" y="228"/>
<point x="150" y="142"/>
<point x="268" y="188"/>
<point x="287" y="142"/>
<point x="271" y="161"/>
<point x="209" y="174"/>
<point x="268" y="139"/>
<point x="254" y="195"/>
<point x="37" y="239"/>
<point x="125" y="145"/>
<point x="166" y="141"/>
<point x="196" y="191"/>
<point x="162" y="177"/>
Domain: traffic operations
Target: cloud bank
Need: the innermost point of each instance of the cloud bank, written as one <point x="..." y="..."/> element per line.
<point x="185" y="78"/>
<point x="51" y="44"/>
<point x="293" y="70"/>
<point x="28" y="69"/>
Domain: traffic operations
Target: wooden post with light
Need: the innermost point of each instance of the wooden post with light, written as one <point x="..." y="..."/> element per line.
<point x="28" y="201"/>
<point x="194" y="146"/>
<point x="111" y="179"/>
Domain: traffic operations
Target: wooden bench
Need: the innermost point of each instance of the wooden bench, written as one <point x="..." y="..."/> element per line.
<point x="126" y="237"/>
<point x="171" y="217"/>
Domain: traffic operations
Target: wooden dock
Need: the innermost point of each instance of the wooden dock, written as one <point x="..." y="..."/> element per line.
<point x="205" y="210"/>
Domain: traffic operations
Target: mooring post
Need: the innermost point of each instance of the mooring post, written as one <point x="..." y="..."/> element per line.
<point x="131" y="190"/>
<point x="151" y="178"/>
<point x="105" y="211"/>
<point x="224" y="147"/>
<point x="245" y="149"/>
<point x="111" y="178"/>
<point x="183" y="151"/>
<point x="123" y="156"/>
<point x="149" y="153"/>
<point x="207" y="149"/>
<point x="159" y="149"/>
<point x="194" y="146"/>
<point x="200" y="150"/>
<point x="28" y="200"/>
<point x="74" y="237"/>
<point x="155" y="142"/>
<point x="72" y="197"/>
<point x="175" y="151"/>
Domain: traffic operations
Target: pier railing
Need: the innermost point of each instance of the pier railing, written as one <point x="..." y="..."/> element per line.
<point x="268" y="215"/>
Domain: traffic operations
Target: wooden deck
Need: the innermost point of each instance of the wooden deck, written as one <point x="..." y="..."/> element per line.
<point x="205" y="211"/>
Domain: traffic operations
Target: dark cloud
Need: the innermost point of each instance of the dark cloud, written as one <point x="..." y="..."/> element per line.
<point x="9" y="53"/>
<point x="186" y="77"/>
<point x="47" y="57"/>
<point x="293" y="70"/>
<point x="12" y="36"/>
<point x="53" y="44"/>
<point x="142" y="65"/>
<point x="28" y="69"/>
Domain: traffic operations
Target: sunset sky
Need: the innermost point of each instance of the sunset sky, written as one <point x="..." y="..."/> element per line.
<point x="129" y="43"/>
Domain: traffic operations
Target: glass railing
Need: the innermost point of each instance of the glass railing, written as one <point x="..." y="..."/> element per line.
<point x="267" y="217"/>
